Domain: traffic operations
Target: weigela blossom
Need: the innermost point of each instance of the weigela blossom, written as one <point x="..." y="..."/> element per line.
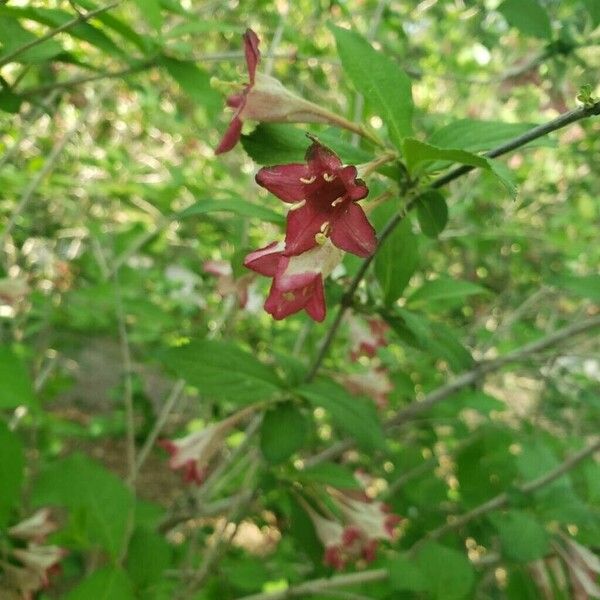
<point x="324" y="196"/>
<point x="366" y="337"/>
<point x="41" y="561"/>
<point x="36" y="528"/>
<point x="227" y="284"/>
<point x="297" y="280"/>
<point x="374" y="384"/>
<point x="265" y="98"/>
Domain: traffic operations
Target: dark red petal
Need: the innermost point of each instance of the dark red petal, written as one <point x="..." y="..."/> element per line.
<point x="352" y="232"/>
<point x="252" y="52"/>
<point x="284" y="181"/>
<point x="302" y="226"/>
<point x="168" y="445"/>
<point x="280" y="305"/>
<point x="321" y="159"/>
<point x="316" y="307"/>
<point x="265" y="260"/>
<point x="355" y="188"/>
<point x="290" y="283"/>
<point x="231" y="137"/>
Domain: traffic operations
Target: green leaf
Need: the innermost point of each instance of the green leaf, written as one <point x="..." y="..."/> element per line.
<point x="98" y="502"/>
<point x="244" y="208"/>
<point x="593" y="8"/>
<point x="444" y="288"/>
<point x="16" y="388"/>
<point x="222" y="370"/>
<point x="283" y="431"/>
<point x="585" y="286"/>
<point x="354" y="415"/>
<point x="528" y="16"/>
<point x="478" y="136"/>
<point x="448" y="572"/>
<point x="12" y="465"/>
<point x="432" y="212"/>
<point x="9" y="102"/>
<point x="14" y="37"/>
<point x="150" y="10"/>
<point x="383" y="83"/>
<point x="396" y="261"/>
<point x="108" y="583"/>
<point x="419" y="154"/>
<point x="522" y="537"/>
<point x="406" y="575"/>
<point x="148" y="555"/>
<point x="195" y="82"/>
<point x="273" y="144"/>
<point x="331" y="474"/>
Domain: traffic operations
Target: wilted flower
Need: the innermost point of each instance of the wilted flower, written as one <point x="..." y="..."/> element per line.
<point x="35" y="528"/>
<point x="324" y="197"/>
<point x="227" y="284"/>
<point x="297" y="280"/>
<point x="366" y="338"/>
<point x="265" y="98"/>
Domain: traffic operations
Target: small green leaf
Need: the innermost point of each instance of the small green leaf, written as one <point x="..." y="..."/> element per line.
<point x="587" y="286"/>
<point x="108" y="583"/>
<point x="244" y="208"/>
<point x="383" y="83"/>
<point x="444" y="288"/>
<point x="331" y="474"/>
<point x="12" y="465"/>
<point x="448" y="572"/>
<point x="14" y="37"/>
<point x="432" y="212"/>
<point x="150" y="10"/>
<point x="354" y="415"/>
<point x="593" y="8"/>
<point x="522" y="537"/>
<point x="396" y="261"/>
<point x="528" y="16"/>
<point x="148" y="555"/>
<point x="283" y="431"/>
<point x="222" y="370"/>
<point x="9" y="102"/>
<point x="406" y="574"/>
<point x="16" y="388"/>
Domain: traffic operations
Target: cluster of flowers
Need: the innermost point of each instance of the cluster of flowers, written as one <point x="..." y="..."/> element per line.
<point x="355" y="532"/>
<point x="324" y="219"/>
<point x="26" y="570"/>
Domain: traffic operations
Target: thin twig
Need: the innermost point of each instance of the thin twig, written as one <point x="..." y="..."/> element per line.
<point x="80" y="18"/>
<point x="536" y="132"/>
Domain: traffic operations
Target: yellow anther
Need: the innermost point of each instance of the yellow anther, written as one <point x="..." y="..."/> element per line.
<point x="289" y="296"/>
<point x="298" y="205"/>
<point x="325" y="227"/>
<point x="320" y="238"/>
<point x="309" y="180"/>
<point x="337" y="201"/>
<point x="328" y="177"/>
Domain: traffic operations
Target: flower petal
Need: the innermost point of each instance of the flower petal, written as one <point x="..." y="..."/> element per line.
<point x="315" y="307"/>
<point x="284" y="181"/>
<point x="252" y="52"/>
<point x="321" y="159"/>
<point x="352" y="232"/>
<point x="302" y="226"/>
<point x="231" y="137"/>
<point x="266" y="260"/>
<point x="355" y="188"/>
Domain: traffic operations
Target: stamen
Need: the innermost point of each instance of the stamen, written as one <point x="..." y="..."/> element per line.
<point x="328" y="177"/>
<point x="298" y="205"/>
<point x="337" y="201"/>
<point x="320" y="238"/>
<point x="289" y="296"/>
<point x="309" y="180"/>
<point x="325" y="227"/>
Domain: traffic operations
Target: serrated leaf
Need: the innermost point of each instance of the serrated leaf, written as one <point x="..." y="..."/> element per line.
<point x="383" y="83"/>
<point x="12" y="465"/>
<point x="15" y="387"/>
<point x="283" y="431"/>
<point x="97" y="500"/>
<point x="444" y="288"/>
<point x="432" y="212"/>
<point x="528" y="16"/>
<point x="222" y="370"/>
<point x="273" y="144"/>
<point x="108" y="583"/>
<point x="448" y="572"/>
<point x="354" y="415"/>
<point x="243" y="208"/>
<point x="522" y="537"/>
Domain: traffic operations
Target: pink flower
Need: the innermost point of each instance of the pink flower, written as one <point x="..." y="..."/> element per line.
<point x="42" y="561"/>
<point x="265" y="98"/>
<point x="297" y="280"/>
<point x="35" y="528"/>
<point x="366" y="338"/>
<point x="226" y="283"/>
<point x="373" y="519"/>
<point x="324" y="195"/>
